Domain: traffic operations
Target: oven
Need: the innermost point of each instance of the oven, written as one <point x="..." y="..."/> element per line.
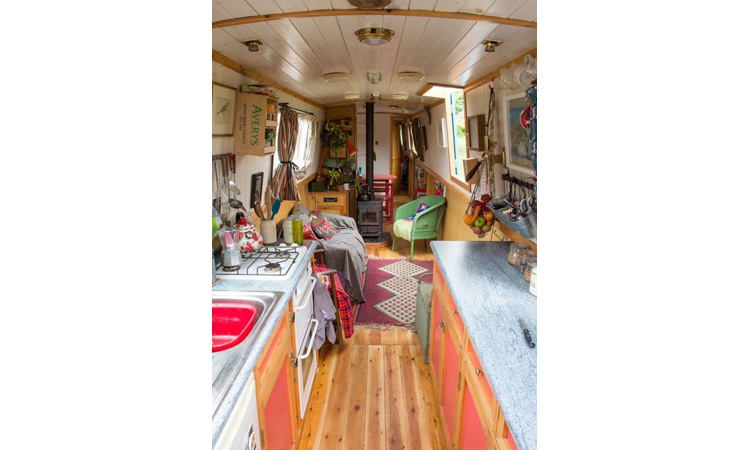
<point x="305" y="328"/>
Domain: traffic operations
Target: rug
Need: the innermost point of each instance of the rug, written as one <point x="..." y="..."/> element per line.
<point x="391" y="291"/>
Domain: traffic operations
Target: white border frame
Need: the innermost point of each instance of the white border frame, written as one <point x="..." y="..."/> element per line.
<point x="506" y="133"/>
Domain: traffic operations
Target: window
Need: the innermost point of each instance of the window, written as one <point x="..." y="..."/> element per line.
<point x="304" y="145"/>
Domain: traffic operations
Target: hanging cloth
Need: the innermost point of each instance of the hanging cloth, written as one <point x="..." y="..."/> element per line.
<point x="284" y="186"/>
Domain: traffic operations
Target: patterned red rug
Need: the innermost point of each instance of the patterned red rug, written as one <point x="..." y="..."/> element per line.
<point x="390" y="291"/>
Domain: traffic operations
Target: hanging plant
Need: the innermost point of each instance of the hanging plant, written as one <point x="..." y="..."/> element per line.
<point x="336" y="136"/>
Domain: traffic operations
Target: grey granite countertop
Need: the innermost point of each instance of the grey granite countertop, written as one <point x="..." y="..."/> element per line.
<point x="491" y="296"/>
<point x="251" y="356"/>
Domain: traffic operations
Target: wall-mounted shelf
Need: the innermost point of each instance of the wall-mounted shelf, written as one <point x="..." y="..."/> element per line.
<point x="252" y="123"/>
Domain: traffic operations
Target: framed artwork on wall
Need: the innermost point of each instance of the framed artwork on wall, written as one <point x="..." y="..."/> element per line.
<point x="222" y="109"/>
<point x="256" y="186"/>
<point x="515" y="128"/>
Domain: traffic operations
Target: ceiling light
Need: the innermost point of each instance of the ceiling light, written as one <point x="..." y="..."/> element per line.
<point x="374" y="36"/>
<point x="375" y="95"/>
<point x="336" y="76"/>
<point x="351" y="96"/>
<point x="400" y="96"/>
<point x="438" y="90"/>
<point x="373" y="77"/>
<point x="490" y="44"/>
<point x="253" y="45"/>
<point x="411" y="76"/>
<point x="393" y="106"/>
<point x="370" y="4"/>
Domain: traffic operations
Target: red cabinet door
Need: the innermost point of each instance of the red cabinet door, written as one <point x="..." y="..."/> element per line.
<point x="450" y="382"/>
<point x="436" y="338"/>
<point x="278" y="414"/>
<point x="472" y="431"/>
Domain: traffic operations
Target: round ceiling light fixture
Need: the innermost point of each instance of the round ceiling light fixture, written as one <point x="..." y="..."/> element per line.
<point x="253" y="45"/>
<point x="370" y="4"/>
<point x="374" y="36"/>
<point x="400" y="96"/>
<point x="351" y="96"/>
<point x="490" y="44"/>
<point x="336" y="76"/>
<point x="410" y="76"/>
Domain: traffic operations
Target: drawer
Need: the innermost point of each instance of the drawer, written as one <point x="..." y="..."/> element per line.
<point x="332" y="210"/>
<point x="324" y="200"/>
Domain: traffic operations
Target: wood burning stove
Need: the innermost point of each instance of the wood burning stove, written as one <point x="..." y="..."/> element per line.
<point x="370" y="218"/>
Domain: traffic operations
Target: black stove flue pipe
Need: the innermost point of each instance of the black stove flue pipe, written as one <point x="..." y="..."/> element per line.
<point x="369" y="137"/>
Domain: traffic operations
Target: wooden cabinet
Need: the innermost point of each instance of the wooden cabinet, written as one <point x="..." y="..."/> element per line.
<point x="276" y="391"/>
<point x="255" y="124"/>
<point x="469" y="412"/>
<point x="332" y="202"/>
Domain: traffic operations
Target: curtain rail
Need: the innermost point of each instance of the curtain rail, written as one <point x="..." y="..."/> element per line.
<point x="286" y="105"/>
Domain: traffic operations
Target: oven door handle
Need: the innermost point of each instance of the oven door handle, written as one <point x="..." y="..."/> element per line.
<point x="308" y="294"/>
<point x="312" y="341"/>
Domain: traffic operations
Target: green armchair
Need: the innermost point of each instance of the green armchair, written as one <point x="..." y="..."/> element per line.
<point x="425" y="224"/>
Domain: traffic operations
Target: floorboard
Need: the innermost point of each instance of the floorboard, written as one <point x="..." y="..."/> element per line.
<point x="374" y="393"/>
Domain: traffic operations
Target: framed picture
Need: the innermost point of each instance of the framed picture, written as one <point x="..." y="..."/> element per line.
<point x="475" y="131"/>
<point x="517" y="148"/>
<point x="256" y="185"/>
<point x="442" y="141"/>
<point x="222" y="109"/>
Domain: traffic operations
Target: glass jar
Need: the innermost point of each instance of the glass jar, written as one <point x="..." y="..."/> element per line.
<point x="523" y="258"/>
<point x="530" y="265"/>
<point x="532" y="282"/>
<point x="515" y="249"/>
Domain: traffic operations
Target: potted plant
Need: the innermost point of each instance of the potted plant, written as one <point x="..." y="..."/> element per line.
<point x="336" y="180"/>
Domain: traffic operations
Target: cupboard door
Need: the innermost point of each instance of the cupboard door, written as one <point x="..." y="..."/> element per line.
<point x="451" y="366"/>
<point x="279" y="426"/>
<point x="437" y="331"/>
<point x="472" y="430"/>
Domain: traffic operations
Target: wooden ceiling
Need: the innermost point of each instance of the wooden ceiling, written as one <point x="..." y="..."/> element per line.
<point x="298" y="50"/>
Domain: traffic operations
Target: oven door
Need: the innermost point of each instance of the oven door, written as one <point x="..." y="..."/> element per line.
<point x="307" y="365"/>
<point x="305" y="329"/>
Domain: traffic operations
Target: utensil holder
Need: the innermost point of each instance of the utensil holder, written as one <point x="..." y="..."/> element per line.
<point x="498" y="212"/>
<point x="523" y="227"/>
<point x="268" y="231"/>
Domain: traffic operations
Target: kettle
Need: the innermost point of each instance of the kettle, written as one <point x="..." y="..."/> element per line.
<point x="250" y="240"/>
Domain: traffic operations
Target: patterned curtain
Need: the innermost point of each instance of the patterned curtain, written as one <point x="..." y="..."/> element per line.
<point x="284" y="187"/>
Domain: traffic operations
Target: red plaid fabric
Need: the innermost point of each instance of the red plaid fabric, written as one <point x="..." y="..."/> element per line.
<point x="345" y="304"/>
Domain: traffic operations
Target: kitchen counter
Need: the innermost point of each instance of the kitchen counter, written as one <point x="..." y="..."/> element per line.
<point x="491" y="296"/>
<point x="251" y="355"/>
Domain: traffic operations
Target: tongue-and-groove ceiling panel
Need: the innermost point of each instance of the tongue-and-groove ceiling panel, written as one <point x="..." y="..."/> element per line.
<point x="298" y="51"/>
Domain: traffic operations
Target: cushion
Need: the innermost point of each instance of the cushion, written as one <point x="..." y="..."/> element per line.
<point x="402" y="228"/>
<point x="422" y="206"/>
<point x="321" y="226"/>
<point x="307" y="233"/>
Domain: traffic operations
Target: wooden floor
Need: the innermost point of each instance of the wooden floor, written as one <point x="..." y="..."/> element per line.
<point x="422" y="250"/>
<point x="373" y="393"/>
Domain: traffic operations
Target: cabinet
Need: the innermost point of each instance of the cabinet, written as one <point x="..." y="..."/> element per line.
<point x="469" y="412"/>
<point x="255" y="124"/>
<point x="332" y="202"/>
<point x="276" y="391"/>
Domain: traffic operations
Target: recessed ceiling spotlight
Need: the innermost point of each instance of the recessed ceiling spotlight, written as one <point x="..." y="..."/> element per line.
<point x="400" y="96"/>
<point x="373" y="77"/>
<point x="374" y="36"/>
<point x="370" y="4"/>
<point x="490" y="44"/>
<point x="411" y="76"/>
<point x="351" y="96"/>
<point x="336" y="76"/>
<point x="253" y="45"/>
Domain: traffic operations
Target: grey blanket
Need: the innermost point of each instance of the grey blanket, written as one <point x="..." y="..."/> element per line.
<point x="345" y="252"/>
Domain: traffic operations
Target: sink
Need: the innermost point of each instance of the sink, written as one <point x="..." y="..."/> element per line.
<point x="231" y="322"/>
<point x="237" y="319"/>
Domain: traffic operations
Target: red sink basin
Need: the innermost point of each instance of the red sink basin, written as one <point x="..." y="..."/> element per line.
<point x="231" y="322"/>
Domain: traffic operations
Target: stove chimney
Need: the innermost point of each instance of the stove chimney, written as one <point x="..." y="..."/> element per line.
<point x="369" y="137"/>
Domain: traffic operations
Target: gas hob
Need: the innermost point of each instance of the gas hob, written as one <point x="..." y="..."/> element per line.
<point x="277" y="262"/>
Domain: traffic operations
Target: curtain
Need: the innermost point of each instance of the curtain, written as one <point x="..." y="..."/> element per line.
<point x="284" y="186"/>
